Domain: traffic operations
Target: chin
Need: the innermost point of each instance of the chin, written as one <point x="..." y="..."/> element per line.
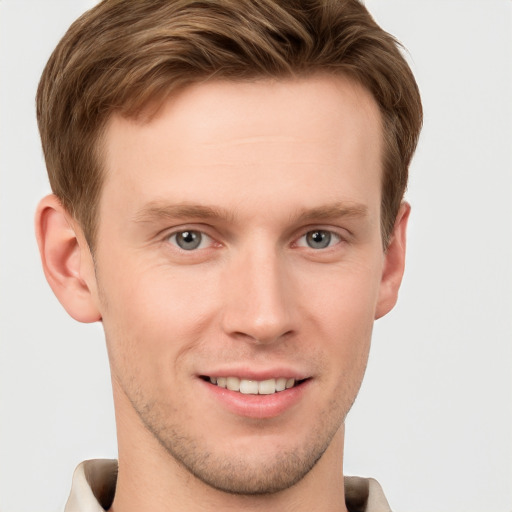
<point x="240" y="475"/>
<point x="247" y="466"/>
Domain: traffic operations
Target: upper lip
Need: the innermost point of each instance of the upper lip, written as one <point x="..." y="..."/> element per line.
<point x="256" y="374"/>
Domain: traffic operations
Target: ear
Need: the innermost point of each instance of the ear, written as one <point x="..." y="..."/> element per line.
<point x="67" y="260"/>
<point x="394" y="263"/>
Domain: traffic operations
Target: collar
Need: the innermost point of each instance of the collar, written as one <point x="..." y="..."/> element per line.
<point x="94" y="485"/>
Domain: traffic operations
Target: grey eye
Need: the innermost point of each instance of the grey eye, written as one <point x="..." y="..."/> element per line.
<point x="188" y="240"/>
<point x="318" y="239"/>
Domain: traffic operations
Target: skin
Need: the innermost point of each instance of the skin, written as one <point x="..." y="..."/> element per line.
<point x="255" y="168"/>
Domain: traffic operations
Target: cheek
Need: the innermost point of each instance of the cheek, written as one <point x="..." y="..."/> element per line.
<point x="344" y="298"/>
<point x="342" y="315"/>
<point x="151" y="317"/>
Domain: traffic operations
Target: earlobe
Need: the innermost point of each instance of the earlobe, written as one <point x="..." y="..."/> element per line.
<point x="394" y="264"/>
<point x="66" y="260"/>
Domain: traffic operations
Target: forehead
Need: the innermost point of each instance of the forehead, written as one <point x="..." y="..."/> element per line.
<point x="203" y="111"/>
<point x="250" y="138"/>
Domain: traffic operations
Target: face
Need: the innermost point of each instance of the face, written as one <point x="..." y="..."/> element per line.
<point x="239" y="269"/>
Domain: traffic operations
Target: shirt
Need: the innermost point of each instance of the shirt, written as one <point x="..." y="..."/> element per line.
<point x="94" y="485"/>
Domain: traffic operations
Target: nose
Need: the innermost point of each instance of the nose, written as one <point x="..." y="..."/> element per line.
<point x="258" y="297"/>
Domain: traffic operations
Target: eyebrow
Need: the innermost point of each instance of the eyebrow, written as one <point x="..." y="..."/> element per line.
<point x="158" y="211"/>
<point x="333" y="211"/>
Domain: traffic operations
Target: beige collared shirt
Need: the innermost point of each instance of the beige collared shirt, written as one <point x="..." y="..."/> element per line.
<point x="94" y="484"/>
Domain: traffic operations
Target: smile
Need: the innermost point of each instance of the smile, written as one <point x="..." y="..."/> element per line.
<point x="254" y="387"/>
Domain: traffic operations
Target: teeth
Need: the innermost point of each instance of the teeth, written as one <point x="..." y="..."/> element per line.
<point x="267" y="387"/>
<point x="280" y="384"/>
<point x="249" y="387"/>
<point x="233" y="383"/>
<point x="253" y="387"/>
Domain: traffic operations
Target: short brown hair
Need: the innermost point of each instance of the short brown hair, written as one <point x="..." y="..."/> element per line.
<point x="122" y="55"/>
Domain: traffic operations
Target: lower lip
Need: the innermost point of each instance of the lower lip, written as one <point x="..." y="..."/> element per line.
<point x="257" y="406"/>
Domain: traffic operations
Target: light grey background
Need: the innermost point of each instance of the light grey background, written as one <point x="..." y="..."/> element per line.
<point x="433" y="422"/>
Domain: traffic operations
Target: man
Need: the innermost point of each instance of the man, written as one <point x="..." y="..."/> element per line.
<point x="228" y="184"/>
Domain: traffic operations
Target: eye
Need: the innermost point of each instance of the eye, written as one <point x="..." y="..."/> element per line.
<point x="318" y="239"/>
<point x="189" y="239"/>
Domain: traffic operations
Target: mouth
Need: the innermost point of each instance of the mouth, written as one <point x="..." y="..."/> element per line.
<point x="254" y="387"/>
